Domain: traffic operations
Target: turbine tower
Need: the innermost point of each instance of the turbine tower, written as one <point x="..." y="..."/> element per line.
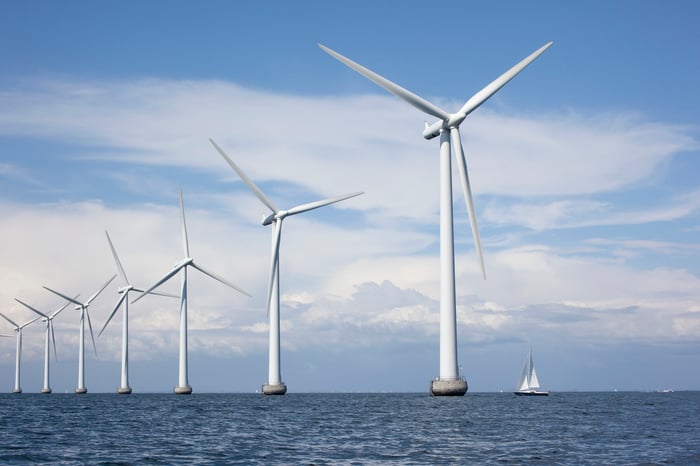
<point x="18" y="355"/>
<point x="447" y="127"/>
<point x="48" y="318"/>
<point x="274" y="385"/>
<point x="183" y="387"/>
<point x="124" y="388"/>
<point x="83" y="308"/>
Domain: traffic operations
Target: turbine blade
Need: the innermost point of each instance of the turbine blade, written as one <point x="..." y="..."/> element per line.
<point x="169" y="295"/>
<point x="464" y="177"/>
<point x="481" y="96"/>
<point x="315" y="205"/>
<point x="185" y="244"/>
<point x="413" y="99"/>
<point x="53" y="338"/>
<point x="167" y="277"/>
<point x="252" y="186"/>
<point x="92" y="298"/>
<point x="120" y="269"/>
<point x="3" y="335"/>
<point x="220" y="279"/>
<point x="72" y="300"/>
<point x="33" y="308"/>
<point x="29" y="322"/>
<point x="274" y="260"/>
<point x="9" y="320"/>
<point x="114" y="311"/>
<point x="92" y="335"/>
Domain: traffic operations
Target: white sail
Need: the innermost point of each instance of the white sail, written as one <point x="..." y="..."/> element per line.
<point x="522" y="383"/>
<point x="532" y="381"/>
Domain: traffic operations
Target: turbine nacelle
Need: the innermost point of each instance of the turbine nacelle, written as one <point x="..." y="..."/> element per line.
<point x="279" y="215"/>
<point x="434" y="130"/>
<point x="181" y="263"/>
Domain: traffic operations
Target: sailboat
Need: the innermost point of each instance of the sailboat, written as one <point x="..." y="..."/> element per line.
<point x="528" y="384"/>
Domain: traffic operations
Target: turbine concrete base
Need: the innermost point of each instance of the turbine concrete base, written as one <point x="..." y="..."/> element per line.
<point x="448" y="387"/>
<point x="124" y="390"/>
<point x="186" y="390"/>
<point x="81" y="390"/>
<point x="46" y="391"/>
<point x="16" y="390"/>
<point x="277" y="389"/>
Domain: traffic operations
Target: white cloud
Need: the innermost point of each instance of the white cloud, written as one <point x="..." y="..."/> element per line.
<point x="577" y="213"/>
<point x="340" y="144"/>
<point x="569" y="154"/>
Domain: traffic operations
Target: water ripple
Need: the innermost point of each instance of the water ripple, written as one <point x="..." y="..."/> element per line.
<point x="350" y="429"/>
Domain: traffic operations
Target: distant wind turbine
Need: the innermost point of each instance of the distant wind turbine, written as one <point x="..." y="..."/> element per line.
<point x="18" y="355"/>
<point x="83" y="307"/>
<point x="183" y="387"/>
<point x="48" y="318"/>
<point x="274" y="385"/>
<point x="447" y="127"/>
<point x="124" y="388"/>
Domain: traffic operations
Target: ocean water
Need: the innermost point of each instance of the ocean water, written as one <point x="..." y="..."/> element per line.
<point x="319" y="429"/>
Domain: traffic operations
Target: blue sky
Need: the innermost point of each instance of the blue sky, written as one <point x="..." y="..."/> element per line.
<point x="583" y="170"/>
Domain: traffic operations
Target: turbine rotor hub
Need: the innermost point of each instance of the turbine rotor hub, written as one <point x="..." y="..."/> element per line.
<point x="455" y="120"/>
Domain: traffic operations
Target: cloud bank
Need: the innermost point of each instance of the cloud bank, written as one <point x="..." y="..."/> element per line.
<point x="358" y="274"/>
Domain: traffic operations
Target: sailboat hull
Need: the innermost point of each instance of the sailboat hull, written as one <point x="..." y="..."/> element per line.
<point x="531" y="393"/>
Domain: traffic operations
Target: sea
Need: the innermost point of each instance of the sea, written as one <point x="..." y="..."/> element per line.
<point x="350" y="429"/>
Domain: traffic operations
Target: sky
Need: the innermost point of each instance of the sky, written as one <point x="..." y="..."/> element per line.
<point x="583" y="169"/>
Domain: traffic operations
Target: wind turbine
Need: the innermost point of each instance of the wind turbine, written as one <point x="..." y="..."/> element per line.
<point x="48" y="318"/>
<point x="183" y="387"/>
<point x="83" y="307"/>
<point x="274" y="385"/>
<point x="447" y="127"/>
<point x="18" y="356"/>
<point x="124" y="388"/>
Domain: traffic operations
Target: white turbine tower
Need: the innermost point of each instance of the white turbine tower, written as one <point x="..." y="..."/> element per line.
<point x="83" y="308"/>
<point x="447" y="127"/>
<point x="18" y="355"/>
<point x="48" y="318"/>
<point x="124" y="388"/>
<point x="274" y="385"/>
<point x="183" y="387"/>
